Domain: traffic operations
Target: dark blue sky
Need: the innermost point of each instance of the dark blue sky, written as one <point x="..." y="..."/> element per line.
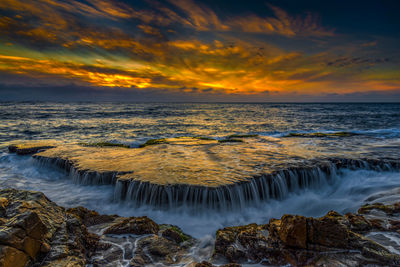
<point x="200" y="50"/>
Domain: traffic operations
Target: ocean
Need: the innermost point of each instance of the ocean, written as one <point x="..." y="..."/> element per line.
<point x="345" y="130"/>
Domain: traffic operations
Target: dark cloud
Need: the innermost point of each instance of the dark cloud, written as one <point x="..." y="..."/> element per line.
<point x="352" y="61"/>
<point x="223" y="49"/>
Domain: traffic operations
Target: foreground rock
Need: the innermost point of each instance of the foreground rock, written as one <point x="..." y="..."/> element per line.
<point x="34" y="231"/>
<point x="332" y="240"/>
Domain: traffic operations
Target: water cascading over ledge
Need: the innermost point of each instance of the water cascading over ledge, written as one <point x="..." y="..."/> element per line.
<point x="276" y="185"/>
<point x="203" y="175"/>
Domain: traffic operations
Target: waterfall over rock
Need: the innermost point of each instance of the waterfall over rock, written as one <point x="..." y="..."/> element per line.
<point x="252" y="190"/>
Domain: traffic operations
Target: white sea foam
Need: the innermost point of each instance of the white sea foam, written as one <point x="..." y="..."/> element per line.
<point x="348" y="191"/>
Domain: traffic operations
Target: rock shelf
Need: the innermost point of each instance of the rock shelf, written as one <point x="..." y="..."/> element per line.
<point x="200" y="173"/>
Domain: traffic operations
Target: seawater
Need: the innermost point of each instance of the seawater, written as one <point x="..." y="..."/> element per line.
<point x="377" y="127"/>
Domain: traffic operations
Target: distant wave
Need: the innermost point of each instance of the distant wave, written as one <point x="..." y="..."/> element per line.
<point x="384" y="133"/>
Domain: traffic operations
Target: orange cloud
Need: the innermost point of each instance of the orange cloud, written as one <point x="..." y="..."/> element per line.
<point x="281" y="24"/>
<point x="145" y="57"/>
<point x="200" y="17"/>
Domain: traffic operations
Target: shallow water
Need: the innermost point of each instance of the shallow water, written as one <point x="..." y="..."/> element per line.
<point x="372" y="131"/>
<point x="136" y="122"/>
<point x="348" y="191"/>
<point x="377" y="127"/>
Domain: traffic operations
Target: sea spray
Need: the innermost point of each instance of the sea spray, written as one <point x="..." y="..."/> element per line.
<point x="345" y="193"/>
<point x="237" y="196"/>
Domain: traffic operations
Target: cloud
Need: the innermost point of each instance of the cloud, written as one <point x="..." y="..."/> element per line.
<point x="282" y="24"/>
<point x="355" y="61"/>
<point x="180" y="46"/>
<point x="199" y="17"/>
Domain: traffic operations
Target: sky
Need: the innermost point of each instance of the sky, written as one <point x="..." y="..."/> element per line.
<point x="206" y="51"/>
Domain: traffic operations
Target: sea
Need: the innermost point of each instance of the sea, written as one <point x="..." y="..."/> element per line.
<point x="372" y="130"/>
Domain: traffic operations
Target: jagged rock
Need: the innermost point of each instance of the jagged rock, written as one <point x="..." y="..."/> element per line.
<point x="133" y="225"/>
<point x="299" y="240"/>
<point x="174" y="233"/>
<point x="207" y="264"/>
<point x="29" y="148"/>
<point x="388" y="209"/>
<point x="90" y="217"/>
<point x="358" y="223"/>
<point x="12" y="257"/>
<point x="37" y="232"/>
<point x="160" y="250"/>
<point x="34" y="231"/>
<point x="241" y="242"/>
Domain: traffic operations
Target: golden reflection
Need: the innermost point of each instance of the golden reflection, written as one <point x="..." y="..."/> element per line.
<point x="190" y="160"/>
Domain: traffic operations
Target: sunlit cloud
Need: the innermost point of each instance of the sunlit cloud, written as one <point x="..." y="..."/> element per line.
<point x="282" y="23"/>
<point x="185" y="45"/>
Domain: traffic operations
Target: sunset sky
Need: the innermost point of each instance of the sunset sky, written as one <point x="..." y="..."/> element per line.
<point x="186" y="50"/>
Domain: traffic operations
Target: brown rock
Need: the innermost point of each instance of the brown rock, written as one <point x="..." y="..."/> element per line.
<point x="90" y="217"/>
<point x="207" y="264"/>
<point x="299" y="240"/>
<point x="293" y="231"/>
<point x="358" y="223"/>
<point x="133" y="225"/>
<point x="388" y="209"/>
<point x="11" y="257"/>
<point x="241" y="242"/>
<point x="26" y="149"/>
<point x="3" y="202"/>
<point x="204" y="264"/>
<point x="172" y="235"/>
<point x="35" y="229"/>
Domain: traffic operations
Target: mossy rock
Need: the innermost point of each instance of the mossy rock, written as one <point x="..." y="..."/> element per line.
<point x="231" y="140"/>
<point x="204" y="138"/>
<point x="154" y="142"/>
<point x="196" y="137"/>
<point x="242" y="136"/>
<point x="104" y="144"/>
<point x="388" y="209"/>
<point x="174" y="233"/>
<point x="318" y="134"/>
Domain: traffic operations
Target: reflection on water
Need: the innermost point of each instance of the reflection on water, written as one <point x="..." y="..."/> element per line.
<point x="135" y="123"/>
<point x="375" y="132"/>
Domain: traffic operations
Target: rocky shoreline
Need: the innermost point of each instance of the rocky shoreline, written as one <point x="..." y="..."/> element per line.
<point x="34" y="231"/>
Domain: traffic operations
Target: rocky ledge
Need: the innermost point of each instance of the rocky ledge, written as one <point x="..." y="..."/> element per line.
<point x="200" y="174"/>
<point x="34" y="231"/>
<point x="332" y="240"/>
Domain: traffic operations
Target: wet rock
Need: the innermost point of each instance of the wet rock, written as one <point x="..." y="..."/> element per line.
<point x="133" y="225"/>
<point x="241" y="242"/>
<point x="137" y="262"/>
<point x="12" y="257"/>
<point x="204" y="264"/>
<point x="90" y="217"/>
<point x="299" y="240"/>
<point x="388" y="209"/>
<point x="28" y="148"/>
<point x="174" y="233"/>
<point x="358" y="223"/>
<point x="37" y="232"/>
<point x="207" y="264"/>
<point x="157" y="249"/>
<point x="34" y="231"/>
